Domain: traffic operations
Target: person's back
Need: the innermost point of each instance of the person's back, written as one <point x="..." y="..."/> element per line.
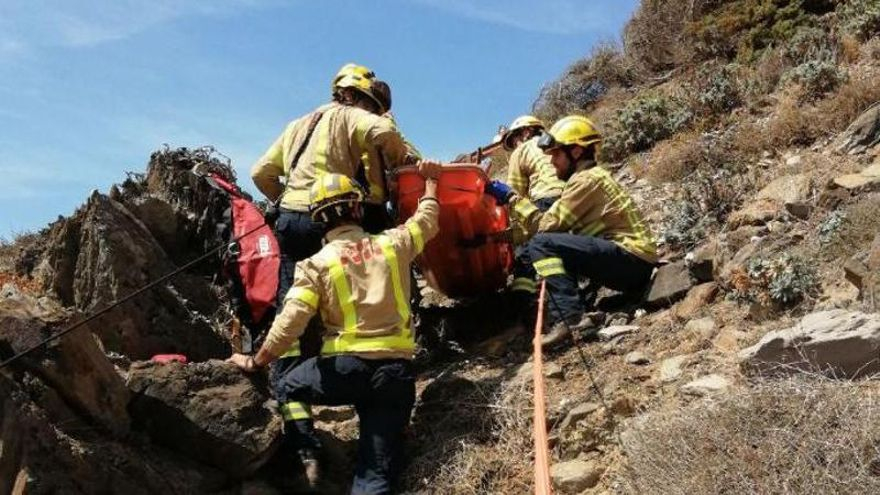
<point x="532" y="176"/>
<point x="342" y="139"/>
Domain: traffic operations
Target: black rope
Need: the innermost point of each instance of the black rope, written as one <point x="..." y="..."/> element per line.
<point x="612" y="424"/>
<point x="127" y="298"/>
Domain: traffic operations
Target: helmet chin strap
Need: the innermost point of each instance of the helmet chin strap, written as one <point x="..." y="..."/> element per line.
<point x="569" y="170"/>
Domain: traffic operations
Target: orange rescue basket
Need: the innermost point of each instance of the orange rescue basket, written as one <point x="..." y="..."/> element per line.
<point x="455" y="262"/>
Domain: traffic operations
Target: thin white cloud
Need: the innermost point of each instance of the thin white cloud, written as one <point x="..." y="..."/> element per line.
<point x="83" y="23"/>
<point x="548" y="16"/>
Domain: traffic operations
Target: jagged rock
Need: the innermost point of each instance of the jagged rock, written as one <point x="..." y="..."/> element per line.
<point x="671" y="284"/>
<point x="209" y="411"/>
<point x="70" y="457"/>
<point x="707" y="385"/>
<point x="866" y="180"/>
<point x="702" y="262"/>
<point x="670" y="369"/>
<point x="767" y="203"/>
<point x="104" y="253"/>
<point x="697" y="298"/>
<point x="794" y="160"/>
<point x="799" y="209"/>
<point x="614" y="331"/>
<point x="863" y="133"/>
<point x="553" y="370"/>
<point x="74" y="366"/>
<point x="636" y="358"/>
<point x="704" y="327"/>
<point x="575" y="476"/>
<point x="863" y="271"/>
<point x="578" y="413"/>
<point x="843" y="342"/>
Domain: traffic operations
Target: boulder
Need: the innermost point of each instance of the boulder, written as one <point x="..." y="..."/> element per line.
<point x="845" y="343"/>
<point x="671" y="368"/>
<point x="614" y="331"/>
<point x="704" y="327"/>
<point x="575" y="476"/>
<point x="866" y="180"/>
<point x="553" y="370"/>
<point x="671" y="283"/>
<point x="696" y="300"/>
<point x="703" y="262"/>
<point x="73" y="366"/>
<point x="706" y="385"/>
<point x="863" y="133"/>
<point x="636" y="358"/>
<point x="769" y="200"/>
<point x="209" y="411"/>
<point x="103" y="253"/>
<point x="578" y="413"/>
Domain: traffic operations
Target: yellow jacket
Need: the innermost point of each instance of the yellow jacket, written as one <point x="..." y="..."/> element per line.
<point x="593" y="204"/>
<point x="347" y="140"/>
<point x="361" y="286"/>
<point x="530" y="173"/>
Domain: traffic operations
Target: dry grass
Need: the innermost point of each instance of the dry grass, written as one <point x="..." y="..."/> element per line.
<point x="861" y="223"/>
<point x="801" y="435"/>
<point x="475" y="438"/>
<point x="674" y="159"/>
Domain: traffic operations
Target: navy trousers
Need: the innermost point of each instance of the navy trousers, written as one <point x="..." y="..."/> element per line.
<point x="603" y="262"/>
<point x="383" y="394"/>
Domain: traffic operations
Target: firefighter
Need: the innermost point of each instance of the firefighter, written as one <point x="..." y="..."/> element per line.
<point x="346" y="136"/>
<point x="594" y="230"/>
<point x="360" y="285"/>
<point x="531" y="175"/>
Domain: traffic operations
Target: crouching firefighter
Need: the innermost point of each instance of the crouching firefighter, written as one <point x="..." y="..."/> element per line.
<point x="360" y="285"/>
<point x="594" y="230"/>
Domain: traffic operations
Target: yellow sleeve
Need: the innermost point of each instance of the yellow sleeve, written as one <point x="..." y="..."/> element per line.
<point x="517" y="178"/>
<point x="269" y="169"/>
<point x="300" y="304"/>
<point x="381" y="138"/>
<point x="581" y="203"/>
<point x="410" y="238"/>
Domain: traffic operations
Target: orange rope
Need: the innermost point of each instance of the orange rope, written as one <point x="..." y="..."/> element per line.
<point x="542" y="454"/>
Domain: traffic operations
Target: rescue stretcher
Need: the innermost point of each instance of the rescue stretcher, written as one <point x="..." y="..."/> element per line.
<point x="463" y="260"/>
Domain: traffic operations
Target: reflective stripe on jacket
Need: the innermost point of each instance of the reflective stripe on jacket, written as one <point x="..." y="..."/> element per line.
<point x="360" y="284"/>
<point x="593" y="204"/>
<point x="347" y="140"/>
<point x="531" y="174"/>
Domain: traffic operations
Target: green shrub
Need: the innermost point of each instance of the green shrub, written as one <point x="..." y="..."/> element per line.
<point x="817" y="77"/>
<point x="716" y="88"/>
<point x="784" y="280"/>
<point x="860" y="18"/>
<point x="684" y="226"/>
<point x="642" y="122"/>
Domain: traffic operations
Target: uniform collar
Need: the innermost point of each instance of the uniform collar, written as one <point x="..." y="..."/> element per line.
<point x="345" y="232"/>
<point x="584" y="165"/>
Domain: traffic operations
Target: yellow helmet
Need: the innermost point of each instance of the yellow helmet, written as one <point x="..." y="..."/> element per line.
<point x="333" y="190"/>
<point x="348" y="70"/>
<point x="365" y="86"/>
<point x="521" y="122"/>
<point x="570" y="130"/>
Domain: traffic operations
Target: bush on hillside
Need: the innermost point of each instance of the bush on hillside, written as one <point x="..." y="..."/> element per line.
<point x="816" y="77"/>
<point x="656" y="39"/>
<point x="781" y="281"/>
<point x="584" y="83"/>
<point x="716" y="88"/>
<point x="860" y="18"/>
<point x="801" y="435"/>
<point x="743" y="29"/>
<point x="642" y="122"/>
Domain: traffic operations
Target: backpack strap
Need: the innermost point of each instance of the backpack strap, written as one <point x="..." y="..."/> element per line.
<point x="313" y="123"/>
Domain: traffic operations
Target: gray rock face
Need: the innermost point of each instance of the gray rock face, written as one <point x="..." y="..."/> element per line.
<point x="862" y="133"/>
<point x="73" y="366"/>
<point x="104" y="253"/>
<point x="866" y="180"/>
<point x="636" y="358"/>
<point x="578" y="413"/>
<point x="706" y="385"/>
<point x="614" y="331"/>
<point x="575" y="476"/>
<point x="209" y="411"/>
<point x="769" y="201"/>
<point x="672" y="282"/>
<point x="670" y="369"/>
<point x="846" y="343"/>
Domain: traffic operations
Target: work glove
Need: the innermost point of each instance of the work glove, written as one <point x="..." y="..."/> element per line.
<point x="500" y="191"/>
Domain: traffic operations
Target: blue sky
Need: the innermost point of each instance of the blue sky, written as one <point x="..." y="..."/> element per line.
<point x="88" y="88"/>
